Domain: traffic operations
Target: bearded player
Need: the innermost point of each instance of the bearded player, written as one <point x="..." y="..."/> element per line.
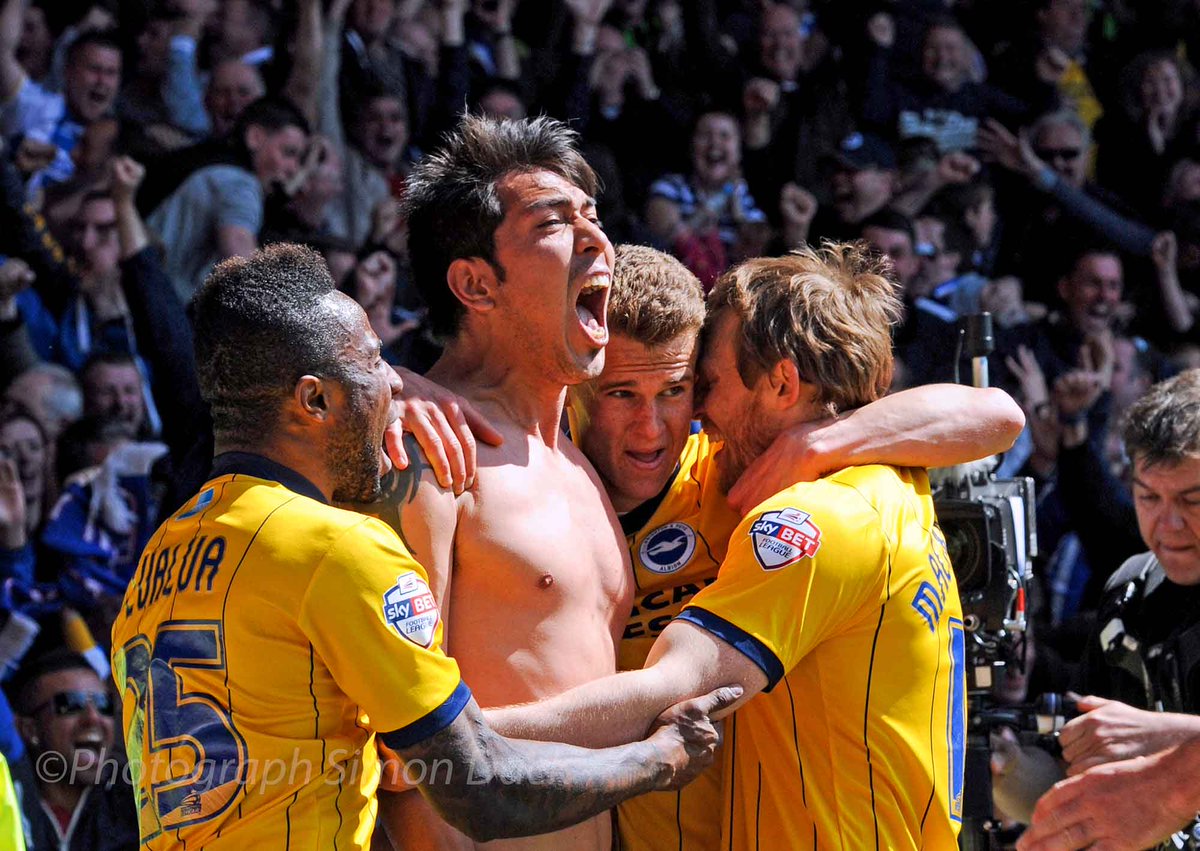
<point x="634" y="425"/>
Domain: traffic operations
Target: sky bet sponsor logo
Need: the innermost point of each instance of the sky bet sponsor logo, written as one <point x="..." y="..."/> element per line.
<point x="411" y="610"/>
<point x="668" y="548"/>
<point x="784" y="537"/>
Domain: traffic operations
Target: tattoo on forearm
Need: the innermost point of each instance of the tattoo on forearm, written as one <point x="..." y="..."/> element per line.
<point x="496" y="787"/>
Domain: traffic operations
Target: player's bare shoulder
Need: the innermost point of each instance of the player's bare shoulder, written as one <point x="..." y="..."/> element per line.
<point x="421" y="512"/>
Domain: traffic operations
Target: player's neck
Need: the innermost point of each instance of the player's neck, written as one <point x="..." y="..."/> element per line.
<point x="296" y="455"/>
<point x="513" y="394"/>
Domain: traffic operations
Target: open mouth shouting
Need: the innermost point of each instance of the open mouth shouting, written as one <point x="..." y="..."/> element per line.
<point x="591" y="306"/>
<point x="648" y="460"/>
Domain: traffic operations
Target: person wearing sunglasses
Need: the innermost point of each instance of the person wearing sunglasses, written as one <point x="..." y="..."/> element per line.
<point x="1052" y="155"/>
<point x="77" y="792"/>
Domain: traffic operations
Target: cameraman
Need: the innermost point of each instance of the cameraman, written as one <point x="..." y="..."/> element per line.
<point x="1146" y="653"/>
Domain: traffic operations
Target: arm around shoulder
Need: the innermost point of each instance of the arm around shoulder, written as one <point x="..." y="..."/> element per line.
<point x="935" y="425"/>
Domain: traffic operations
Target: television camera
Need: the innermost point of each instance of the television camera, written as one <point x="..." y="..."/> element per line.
<point x="991" y="538"/>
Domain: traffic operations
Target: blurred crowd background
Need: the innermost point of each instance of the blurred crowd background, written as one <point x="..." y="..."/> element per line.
<point x="1037" y="159"/>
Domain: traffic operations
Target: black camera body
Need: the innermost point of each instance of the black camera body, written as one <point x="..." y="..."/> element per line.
<point x="988" y="524"/>
<point x="991" y="538"/>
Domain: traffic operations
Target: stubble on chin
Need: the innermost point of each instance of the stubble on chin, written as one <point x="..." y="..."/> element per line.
<point x="362" y="489"/>
<point x="355" y="466"/>
<point x="730" y="466"/>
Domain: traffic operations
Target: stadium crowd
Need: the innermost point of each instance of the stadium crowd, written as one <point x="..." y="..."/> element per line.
<point x="1039" y="160"/>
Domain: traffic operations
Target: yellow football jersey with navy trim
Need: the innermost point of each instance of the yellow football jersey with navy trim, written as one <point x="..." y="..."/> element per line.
<point x="842" y="592"/>
<point x="677" y="543"/>
<point x="264" y="640"/>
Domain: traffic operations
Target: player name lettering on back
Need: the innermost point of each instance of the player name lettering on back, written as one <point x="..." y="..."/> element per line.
<point x="930" y="599"/>
<point x="178" y="569"/>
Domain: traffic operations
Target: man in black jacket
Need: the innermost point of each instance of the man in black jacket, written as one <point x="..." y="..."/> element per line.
<point x="1145" y="655"/>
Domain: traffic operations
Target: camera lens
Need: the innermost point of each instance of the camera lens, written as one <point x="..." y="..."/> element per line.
<point x="967" y="550"/>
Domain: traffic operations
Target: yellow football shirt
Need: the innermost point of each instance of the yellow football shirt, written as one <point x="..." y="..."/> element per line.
<point x="12" y="834"/>
<point x="677" y="543"/>
<point x="842" y="592"/>
<point x="264" y="640"/>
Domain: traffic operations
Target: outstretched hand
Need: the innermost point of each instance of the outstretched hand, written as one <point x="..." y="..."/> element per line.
<point x="1110" y="731"/>
<point x="446" y="427"/>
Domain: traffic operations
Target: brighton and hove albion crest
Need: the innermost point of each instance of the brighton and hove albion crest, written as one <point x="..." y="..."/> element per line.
<point x="411" y="610"/>
<point x="668" y="548"/>
<point x="784" y="537"/>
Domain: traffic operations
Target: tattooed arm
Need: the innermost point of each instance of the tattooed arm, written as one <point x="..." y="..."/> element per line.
<point x="497" y="787"/>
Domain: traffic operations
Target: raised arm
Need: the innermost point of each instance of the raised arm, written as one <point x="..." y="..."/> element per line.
<point x="935" y="425"/>
<point x="159" y="320"/>
<point x="182" y="90"/>
<point x="497" y="787"/>
<point x="1015" y="153"/>
<point x="329" y="114"/>
<point x="1165" y="252"/>
<point x="12" y="75"/>
<point x="684" y="662"/>
<point x="504" y="46"/>
<point x="303" y="80"/>
<point x="126" y="175"/>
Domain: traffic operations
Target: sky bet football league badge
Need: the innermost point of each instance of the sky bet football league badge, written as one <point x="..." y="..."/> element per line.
<point x="410" y="608"/>
<point x="784" y="537"/>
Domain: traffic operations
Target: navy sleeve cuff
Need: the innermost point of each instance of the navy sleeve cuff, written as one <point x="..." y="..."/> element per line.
<point x="432" y="724"/>
<point x="739" y="639"/>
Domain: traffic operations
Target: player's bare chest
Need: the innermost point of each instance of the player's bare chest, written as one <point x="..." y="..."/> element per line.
<point x="553" y="534"/>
